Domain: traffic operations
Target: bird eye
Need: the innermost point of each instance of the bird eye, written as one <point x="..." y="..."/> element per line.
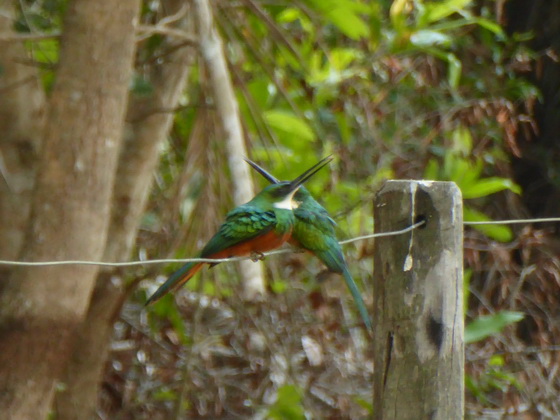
<point x="282" y="190"/>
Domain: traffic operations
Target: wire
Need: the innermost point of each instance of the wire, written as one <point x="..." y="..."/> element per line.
<point x="383" y="234"/>
<point x="254" y="257"/>
<point x="507" y="222"/>
<point x="187" y="260"/>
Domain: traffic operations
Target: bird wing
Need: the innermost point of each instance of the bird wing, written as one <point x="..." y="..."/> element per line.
<point x="313" y="225"/>
<point x="311" y="210"/>
<point x="242" y="224"/>
<point x="315" y="232"/>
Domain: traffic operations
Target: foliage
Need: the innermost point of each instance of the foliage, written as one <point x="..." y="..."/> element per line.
<point x="466" y="172"/>
<point x="403" y="89"/>
<point x="287" y="405"/>
<point x="393" y="89"/>
<point x="487" y="325"/>
<point x="495" y="377"/>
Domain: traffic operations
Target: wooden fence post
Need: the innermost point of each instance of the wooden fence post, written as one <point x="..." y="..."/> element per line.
<point x="418" y="303"/>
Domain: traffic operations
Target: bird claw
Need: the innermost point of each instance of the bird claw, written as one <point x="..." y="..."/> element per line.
<point x="257" y="256"/>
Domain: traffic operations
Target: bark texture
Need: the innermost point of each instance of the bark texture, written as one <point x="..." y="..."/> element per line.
<point x="418" y="303"/>
<point x="22" y="104"/>
<point x="149" y="121"/>
<point x="40" y="308"/>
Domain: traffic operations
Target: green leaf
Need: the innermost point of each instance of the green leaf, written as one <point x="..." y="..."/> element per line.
<point x="432" y="170"/>
<point x="496" y="360"/>
<point x="288" y="404"/>
<point x="498" y="232"/>
<point x="436" y="11"/>
<point x="487" y="325"/>
<point x="397" y="13"/>
<point x="349" y="23"/>
<point x="462" y="140"/>
<point x="487" y="186"/>
<point x="471" y="175"/>
<point x="449" y="25"/>
<point x="334" y="68"/>
<point x="345" y="15"/>
<point x="259" y="90"/>
<point x="365" y="404"/>
<point x="279" y="286"/>
<point x="467" y="274"/>
<point x="165" y="394"/>
<point x="428" y="38"/>
<point x="454" y="69"/>
<point x="45" y="50"/>
<point x="288" y="123"/>
<point x="454" y="66"/>
<point x="489" y="25"/>
<point x="291" y="14"/>
<point x="456" y="168"/>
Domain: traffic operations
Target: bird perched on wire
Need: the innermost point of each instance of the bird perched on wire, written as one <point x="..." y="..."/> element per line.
<point x="264" y="223"/>
<point x="314" y="231"/>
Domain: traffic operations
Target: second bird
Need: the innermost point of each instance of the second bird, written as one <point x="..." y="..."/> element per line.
<point x="262" y="224"/>
<point x="314" y="232"/>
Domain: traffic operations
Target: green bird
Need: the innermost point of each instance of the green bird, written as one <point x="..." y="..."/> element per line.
<point x="264" y="223"/>
<point x="314" y="231"/>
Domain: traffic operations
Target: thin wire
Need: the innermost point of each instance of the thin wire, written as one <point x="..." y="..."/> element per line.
<point x="187" y="260"/>
<point x="382" y="234"/>
<point x="507" y="222"/>
<point x="260" y="256"/>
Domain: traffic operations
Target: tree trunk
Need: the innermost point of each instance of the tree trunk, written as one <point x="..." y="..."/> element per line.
<point x="40" y="308"/>
<point x="418" y="305"/>
<point x="139" y="157"/>
<point x="228" y="111"/>
<point x="22" y="104"/>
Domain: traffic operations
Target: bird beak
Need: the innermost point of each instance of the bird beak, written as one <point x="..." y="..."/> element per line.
<point x="270" y="178"/>
<point x="296" y="183"/>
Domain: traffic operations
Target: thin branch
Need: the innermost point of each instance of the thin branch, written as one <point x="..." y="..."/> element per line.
<point x="213" y="55"/>
<point x="143" y="31"/>
<point x="19" y="37"/>
<point x="146" y="31"/>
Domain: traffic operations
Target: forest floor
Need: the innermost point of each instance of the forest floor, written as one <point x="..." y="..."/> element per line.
<point x="303" y="351"/>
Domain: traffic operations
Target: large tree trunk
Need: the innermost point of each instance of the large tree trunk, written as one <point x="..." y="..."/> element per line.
<point x="139" y="157"/>
<point x="22" y="104"/>
<point x="40" y="308"/>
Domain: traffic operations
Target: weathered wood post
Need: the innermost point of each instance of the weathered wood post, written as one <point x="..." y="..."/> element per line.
<point x="418" y="303"/>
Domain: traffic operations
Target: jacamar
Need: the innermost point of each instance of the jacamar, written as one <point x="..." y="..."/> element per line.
<point x="314" y="232"/>
<point x="260" y="225"/>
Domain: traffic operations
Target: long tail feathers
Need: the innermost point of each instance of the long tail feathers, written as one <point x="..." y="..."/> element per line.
<point x="357" y="297"/>
<point x="176" y="280"/>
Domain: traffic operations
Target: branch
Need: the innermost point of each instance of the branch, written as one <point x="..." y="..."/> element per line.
<point x="18" y="37"/>
<point x="146" y="31"/>
<point x="214" y="58"/>
<point x="143" y="32"/>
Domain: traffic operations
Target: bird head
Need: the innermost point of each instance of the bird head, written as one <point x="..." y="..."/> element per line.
<point x="301" y="194"/>
<point x="281" y="193"/>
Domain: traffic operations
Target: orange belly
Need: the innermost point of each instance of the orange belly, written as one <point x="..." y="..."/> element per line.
<point x="262" y="243"/>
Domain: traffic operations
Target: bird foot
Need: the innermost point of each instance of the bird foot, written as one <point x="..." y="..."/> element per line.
<point x="257" y="256"/>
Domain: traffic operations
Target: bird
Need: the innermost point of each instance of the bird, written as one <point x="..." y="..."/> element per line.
<point x="314" y="231"/>
<point x="260" y="225"/>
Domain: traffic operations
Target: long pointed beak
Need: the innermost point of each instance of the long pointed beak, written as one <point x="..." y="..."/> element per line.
<point x="269" y="177"/>
<point x="296" y="183"/>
